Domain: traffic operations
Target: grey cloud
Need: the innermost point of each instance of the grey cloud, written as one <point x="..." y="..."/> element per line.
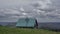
<point x="44" y="10"/>
<point x="49" y="10"/>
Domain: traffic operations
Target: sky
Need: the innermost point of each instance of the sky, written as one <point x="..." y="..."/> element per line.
<point x="42" y="10"/>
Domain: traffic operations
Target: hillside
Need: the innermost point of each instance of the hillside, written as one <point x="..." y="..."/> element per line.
<point x="7" y="30"/>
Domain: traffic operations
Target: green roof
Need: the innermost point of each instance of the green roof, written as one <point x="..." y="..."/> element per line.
<point x="26" y="22"/>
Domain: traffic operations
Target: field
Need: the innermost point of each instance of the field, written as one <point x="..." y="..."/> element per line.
<point x="7" y="30"/>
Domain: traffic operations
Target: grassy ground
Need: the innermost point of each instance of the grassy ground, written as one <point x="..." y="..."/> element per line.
<point x="6" y="30"/>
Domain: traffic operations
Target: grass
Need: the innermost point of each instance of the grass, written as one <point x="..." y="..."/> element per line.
<point x="6" y="30"/>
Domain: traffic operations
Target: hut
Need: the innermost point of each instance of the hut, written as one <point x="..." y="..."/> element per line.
<point x="27" y="23"/>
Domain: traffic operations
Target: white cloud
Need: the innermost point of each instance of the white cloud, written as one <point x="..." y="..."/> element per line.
<point x="11" y="11"/>
<point x="21" y="9"/>
<point x="42" y="4"/>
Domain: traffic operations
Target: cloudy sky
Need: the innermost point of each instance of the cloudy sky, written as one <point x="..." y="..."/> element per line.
<point x="42" y="10"/>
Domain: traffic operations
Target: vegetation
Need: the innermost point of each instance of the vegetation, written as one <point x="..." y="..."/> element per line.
<point x="7" y="30"/>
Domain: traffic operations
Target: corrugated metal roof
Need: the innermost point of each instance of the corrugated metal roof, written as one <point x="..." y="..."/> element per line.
<point x="26" y="22"/>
